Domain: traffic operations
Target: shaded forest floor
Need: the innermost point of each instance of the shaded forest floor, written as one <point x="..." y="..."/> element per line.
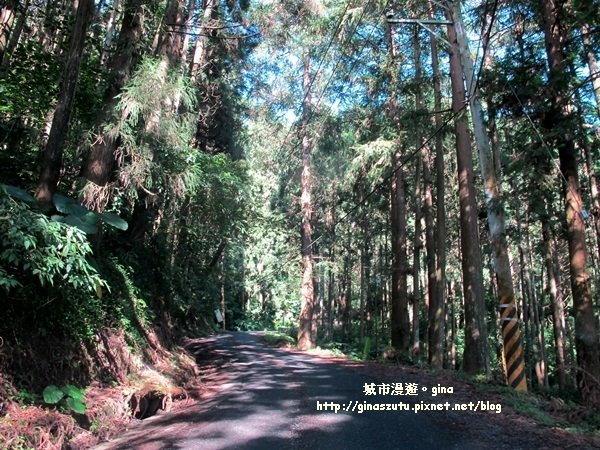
<point x="542" y="424"/>
<point x="167" y="378"/>
<point x="540" y="421"/>
<point x="192" y="373"/>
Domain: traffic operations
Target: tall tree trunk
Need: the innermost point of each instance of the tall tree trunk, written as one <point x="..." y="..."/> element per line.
<point x="345" y="302"/>
<point x="560" y="118"/>
<point x="188" y="29"/>
<point x="306" y="340"/>
<point x="538" y="299"/>
<point x="426" y="203"/>
<point x="51" y="163"/>
<point x="361" y="308"/>
<point x="170" y="41"/>
<point x="586" y="31"/>
<point x="330" y="297"/>
<point x="15" y="36"/>
<point x="538" y="360"/>
<point x="222" y="288"/>
<point x="101" y="158"/>
<point x="400" y="323"/>
<point x="588" y="157"/>
<point x="366" y="264"/>
<point x="417" y="247"/>
<point x="451" y="318"/>
<point x="168" y="51"/>
<point x="556" y="301"/>
<point x="110" y="30"/>
<point x="200" y="49"/>
<point x="475" y="351"/>
<point x="513" y="350"/>
<point x="437" y="300"/>
<point x="7" y="18"/>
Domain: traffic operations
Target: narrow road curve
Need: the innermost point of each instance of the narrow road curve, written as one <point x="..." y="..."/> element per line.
<point x="269" y="401"/>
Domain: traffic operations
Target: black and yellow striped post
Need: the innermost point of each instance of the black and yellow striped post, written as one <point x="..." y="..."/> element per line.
<point x="514" y="361"/>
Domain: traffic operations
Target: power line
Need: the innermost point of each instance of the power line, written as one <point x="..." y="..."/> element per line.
<point x="321" y="62"/>
<point x="357" y="56"/>
<point x="339" y="60"/>
<point x="485" y="41"/>
<point x="405" y="161"/>
<point x="538" y="132"/>
<point x="386" y="179"/>
<point x="313" y="78"/>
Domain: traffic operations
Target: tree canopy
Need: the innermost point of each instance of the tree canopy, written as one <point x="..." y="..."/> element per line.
<point x="414" y="180"/>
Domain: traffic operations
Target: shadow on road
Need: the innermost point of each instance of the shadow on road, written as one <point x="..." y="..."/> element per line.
<point x="269" y="401"/>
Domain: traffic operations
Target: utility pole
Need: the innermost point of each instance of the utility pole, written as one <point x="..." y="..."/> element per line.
<point x="512" y="348"/>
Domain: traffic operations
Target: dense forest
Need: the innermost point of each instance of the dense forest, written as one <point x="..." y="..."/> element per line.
<point x="414" y="180"/>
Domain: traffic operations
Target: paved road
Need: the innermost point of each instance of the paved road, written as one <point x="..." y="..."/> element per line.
<point x="270" y="402"/>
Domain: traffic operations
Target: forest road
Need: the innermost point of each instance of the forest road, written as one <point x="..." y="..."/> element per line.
<point x="270" y="399"/>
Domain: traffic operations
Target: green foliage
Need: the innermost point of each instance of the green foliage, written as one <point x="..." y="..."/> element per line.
<point x="154" y="137"/>
<point x="30" y="84"/>
<point x="277" y="338"/>
<point x="34" y="247"/>
<point x="80" y="217"/>
<point x="71" y="397"/>
<point x="367" y="348"/>
<point x="127" y="305"/>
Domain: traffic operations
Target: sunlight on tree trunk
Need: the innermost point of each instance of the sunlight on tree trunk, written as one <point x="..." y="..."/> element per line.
<point x="476" y="346"/>
<point x="560" y="118"/>
<point x="306" y="339"/>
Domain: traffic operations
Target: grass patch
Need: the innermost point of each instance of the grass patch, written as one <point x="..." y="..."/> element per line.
<point x="278" y="339"/>
<point x="549" y="408"/>
<point x="531" y="406"/>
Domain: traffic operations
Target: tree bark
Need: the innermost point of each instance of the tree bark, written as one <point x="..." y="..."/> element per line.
<point x="400" y="323"/>
<point x="15" y="36"/>
<point x="399" y="320"/>
<point x="200" y="48"/>
<point x="437" y="299"/>
<point x="513" y="350"/>
<point x="588" y="157"/>
<point x="345" y="302"/>
<point x="556" y="302"/>
<point x="7" y="18"/>
<point x="306" y="340"/>
<point x="560" y="118"/>
<point x="475" y="351"/>
<point x="417" y="247"/>
<point x="426" y="203"/>
<point x="170" y="41"/>
<point x="51" y="163"/>
<point x="101" y="158"/>
<point x="110" y="30"/>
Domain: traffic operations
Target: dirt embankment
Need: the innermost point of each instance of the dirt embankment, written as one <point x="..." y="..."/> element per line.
<point x="136" y="385"/>
<point x="175" y="377"/>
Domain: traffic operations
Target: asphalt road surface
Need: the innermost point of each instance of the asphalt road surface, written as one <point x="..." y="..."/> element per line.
<point x="270" y="401"/>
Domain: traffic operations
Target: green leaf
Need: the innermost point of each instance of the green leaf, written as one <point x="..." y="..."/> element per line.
<point x="68" y="205"/>
<point x="53" y="394"/>
<point x="76" y="405"/>
<point x="80" y="222"/>
<point x="18" y="193"/>
<point x="98" y="288"/>
<point x="91" y="218"/>
<point x="73" y="392"/>
<point x="114" y="220"/>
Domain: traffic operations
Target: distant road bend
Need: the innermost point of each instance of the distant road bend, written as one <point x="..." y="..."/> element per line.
<point x="270" y="401"/>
